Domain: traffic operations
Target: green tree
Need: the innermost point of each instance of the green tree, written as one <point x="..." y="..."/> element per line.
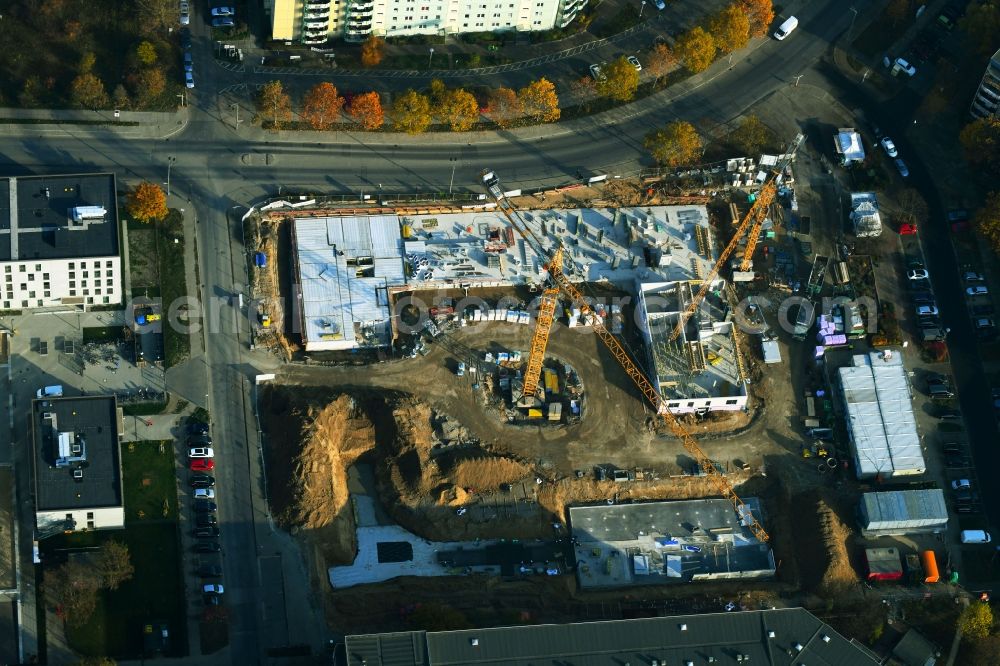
<point x="411" y="112"/>
<point x="87" y="91"/>
<point x="696" y="49"/>
<point x="980" y="140"/>
<point x="620" y="81"/>
<point x="976" y="621"/>
<point x="987" y="220"/>
<point x="146" y="53"/>
<point x="982" y="25"/>
<point x="731" y="28"/>
<point x="274" y="104"/>
<point x="539" y="101"/>
<point x="760" y="13"/>
<point x="677" y="144"/>
<point x="752" y="136"/>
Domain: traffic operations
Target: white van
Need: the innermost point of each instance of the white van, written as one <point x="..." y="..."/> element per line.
<point x="976" y="536"/>
<point x="791" y="23"/>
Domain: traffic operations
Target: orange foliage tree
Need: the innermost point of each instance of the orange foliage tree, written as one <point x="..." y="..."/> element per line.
<point x="88" y="91"/>
<point x="696" y="49"/>
<point x="146" y="202"/>
<point x="322" y="105"/>
<point x="503" y="107"/>
<point x="372" y="51"/>
<point x="366" y="108"/>
<point x="760" y="13"/>
<point x="539" y="101"/>
<point x="730" y="28"/>
<point x="660" y="61"/>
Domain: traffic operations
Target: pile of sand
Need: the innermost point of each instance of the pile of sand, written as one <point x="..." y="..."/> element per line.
<point x="488" y="472"/>
<point x="333" y="438"/>
<point x="836" y="538"/>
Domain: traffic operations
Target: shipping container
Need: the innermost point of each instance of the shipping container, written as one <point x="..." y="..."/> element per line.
<point x="929" y="560"/>
<point x="883" y="564"/>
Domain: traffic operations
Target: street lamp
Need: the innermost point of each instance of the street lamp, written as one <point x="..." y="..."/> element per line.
<point x="854" y="15"/>
<point x="236" y="108"/>
<point x="454" y="163"/>
<point x="797" y="79"/>
<point x="642" y="7"/>
<point x="430" y="58"/>
<point x="183" y="98"/>
<point x="170" y="163"/>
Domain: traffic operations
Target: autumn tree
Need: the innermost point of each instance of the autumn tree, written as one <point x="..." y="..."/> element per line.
<point x="980" y="140"/>
<point x="987" y="220"/>
<point x="752" y="136"/>
<point x="677" y="144"/>
<point x="911" y="207"/>
<point x="146" y="52"/>
<point x="660" y="61"/>
<point x="760" y="13"/>
<point x="96" y="661"/>
<point x="411" y="112"/>
<point x="620" y="81"/>
<point x="458" y="109"/>
<point x="366" y="108"/>
<point x="150" y="84"/>
<point x="730" y="28"/>
<point x="982" y="25"/>
<point x="87" y="62"/>
<point x="503" y="107"/>
<point x="74" y="588"/>
<point x="976" y="621"/>
<point x="274" y="104"/>
<point x="87" y="91"/>
<point x="539" y="101"/>
<point x="372" y="51"/>
<point x="157" y="15"/>
<point x="696" y="49"/>
<point x="146" y="202"/>
<point x="114" y="564"/>
<point x="322" y="105"/>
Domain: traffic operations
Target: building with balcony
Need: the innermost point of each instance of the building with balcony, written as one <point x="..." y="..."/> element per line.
<point x="986" y="102"/>
<point x="315" y="22"/>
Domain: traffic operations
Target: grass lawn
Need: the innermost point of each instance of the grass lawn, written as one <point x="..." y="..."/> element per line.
<point x="156" y="591"/>
<point x="173" y="284"/>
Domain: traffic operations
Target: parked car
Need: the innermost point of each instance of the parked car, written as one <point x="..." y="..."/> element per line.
<point x="918" y="274"/>
<point x="924" y="300"/>
<point x="223" y="11"/>
<point x="201" y="452"/>
<point x="596" y="73"/>
<point x="984" y="322"/>
<point x="972" y="276"/>
<point x="205" y="520"/>
<point x="939" y="392"/>
<point x="185" y="13"/>
<point x="202" y="464"/>
<point x="206" y="532"/>
<point x="223" y="22"/>
<point x="196" y="428"/>
<point x="207" y="547"/>
<point x="210" y="571"/>
<point x="185" y="38"/>
<point x="460" y="371"/>
<point x="924" y="310"/>
<point x="189" y="79"/>
<point x="205" y="506"/>
<point x="660" y="4"/>
<point x="632" y="60"/>
<point x="213" y="588"/>
<point x="977" y="290"/>
<point x="905" y="66"/>
<point x="199" y="440"/>
<point x="961" y="483"/>
<point x="901" y="167"/>
<point x="949" y="415"/>
<point x="188" y="62"/>
<point x="889" y="146"/>
<point x="201" y="481"/>
<point x="212" y="599"/>
<point x="204" y="493"/>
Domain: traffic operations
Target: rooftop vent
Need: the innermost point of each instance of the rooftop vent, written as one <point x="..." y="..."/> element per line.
<point x="683" y="627"/>
<point x="770" y="634"/>
<point x="798" y="647"/>
<point x="474" y="642"/>
<point x="826" y="639"/>
<point x="78" y="474"/>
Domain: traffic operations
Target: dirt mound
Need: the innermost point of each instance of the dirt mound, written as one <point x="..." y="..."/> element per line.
<point x="488" y="472"/>
<point x="333" y="437"/>
<point x="836" y="538"/>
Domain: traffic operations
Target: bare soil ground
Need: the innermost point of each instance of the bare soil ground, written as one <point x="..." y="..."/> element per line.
<point x="142" y="257"/>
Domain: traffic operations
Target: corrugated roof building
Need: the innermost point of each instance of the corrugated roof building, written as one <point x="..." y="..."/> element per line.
<point x="785" y="637"/>
<point x="880" y="420"/>
<point x="903" y="512"/>
<point x="344" y="267"/>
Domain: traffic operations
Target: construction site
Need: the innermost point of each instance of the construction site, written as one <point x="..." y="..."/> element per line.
<point x="558" y="394"/>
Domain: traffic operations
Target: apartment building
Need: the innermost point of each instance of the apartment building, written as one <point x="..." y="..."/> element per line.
<point x="985" y="102"/>
<point x="314" y="22"/>
<point x="60" y="242"/>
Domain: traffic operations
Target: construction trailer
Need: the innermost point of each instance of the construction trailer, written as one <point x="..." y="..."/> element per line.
<point x="884" y="564"/>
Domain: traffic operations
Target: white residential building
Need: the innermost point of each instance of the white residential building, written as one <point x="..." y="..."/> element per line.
<point x="987" y="99"/>
<point x="317" y="21"/>
<point x="60" y="242"/>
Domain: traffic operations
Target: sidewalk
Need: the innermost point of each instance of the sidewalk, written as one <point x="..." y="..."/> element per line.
<point x="150" y="125"/>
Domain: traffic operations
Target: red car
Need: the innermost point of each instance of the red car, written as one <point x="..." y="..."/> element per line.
<point x="202" y="464"/>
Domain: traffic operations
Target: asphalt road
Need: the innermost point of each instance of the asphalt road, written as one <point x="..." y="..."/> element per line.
<point x="217" y="170"/>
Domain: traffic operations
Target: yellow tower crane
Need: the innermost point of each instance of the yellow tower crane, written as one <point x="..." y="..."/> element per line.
<point x="559" y="280"/>
<point x="754" y="221"/>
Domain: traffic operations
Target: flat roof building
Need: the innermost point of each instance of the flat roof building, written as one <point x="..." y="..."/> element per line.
<point x="986" y="101"/>
<point x="59" y="241"/>
<point x="776" y="637"/>
<point x="903" y="512"/>
<point x="650" y="543"/>
<point x="881" y="425"/>
<point x="345" y="266"/>
<point x="77" y="464"/>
